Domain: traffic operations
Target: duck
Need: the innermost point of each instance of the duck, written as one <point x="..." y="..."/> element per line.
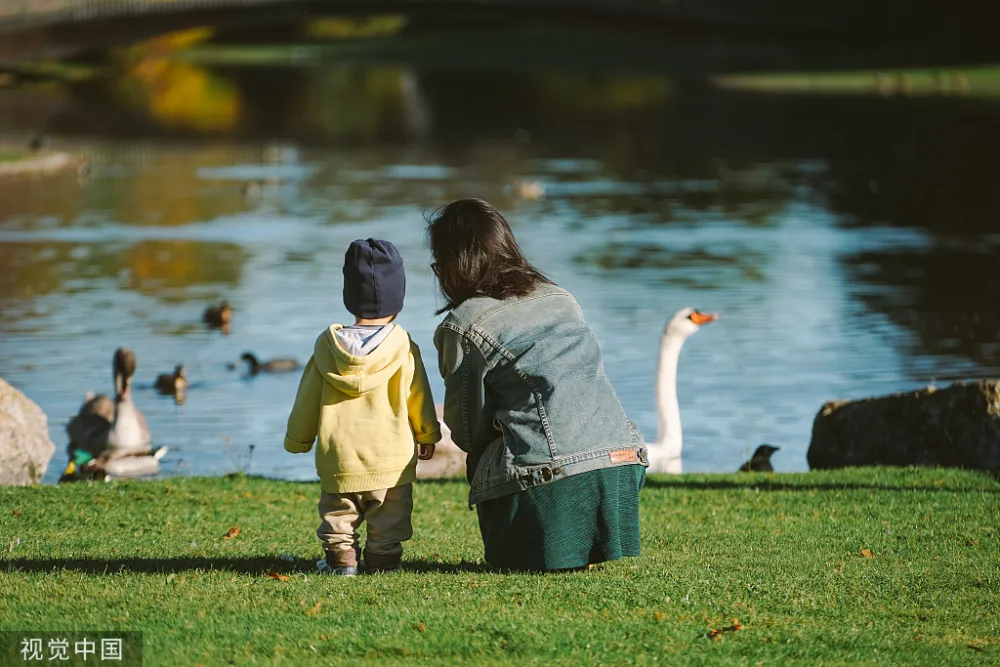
<point x="272" y="366"/>
<point x="173" y="384"/>
<point x="665" y="452"/>
<point x="761" y="460"/>
<point x="107" y="431"/>
<point x="218" y="317"/>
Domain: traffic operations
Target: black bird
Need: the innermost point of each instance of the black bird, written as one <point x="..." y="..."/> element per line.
<point x="760" y="461"/>
<point x="272" y="366"/>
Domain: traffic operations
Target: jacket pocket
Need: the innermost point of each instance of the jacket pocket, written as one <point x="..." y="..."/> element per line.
<point x="494" y="467"/>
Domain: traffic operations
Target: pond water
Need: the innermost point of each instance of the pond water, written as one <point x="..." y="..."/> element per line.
<point x="849" y="243"/>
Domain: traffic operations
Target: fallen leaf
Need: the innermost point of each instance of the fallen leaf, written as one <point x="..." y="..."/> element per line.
<point x="232" y="532"/>
<point x="974" y="647"/>
<point x="660" y="616"/>
<point x="735" y="627"/>
<point x="277" y="575"/>
<point x="868" y="553"/>
<point x="312" y="612"/>
<point x="170" y="577"/>
<point x="420" y="627"/>
<point x="15" y="512"/>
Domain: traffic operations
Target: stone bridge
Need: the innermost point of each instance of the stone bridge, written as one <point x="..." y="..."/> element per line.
<point x="52" y="29"/>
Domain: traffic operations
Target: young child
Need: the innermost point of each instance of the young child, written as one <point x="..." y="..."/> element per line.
<point x="365" y="394"/>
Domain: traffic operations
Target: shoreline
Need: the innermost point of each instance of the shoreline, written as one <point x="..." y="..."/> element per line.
<point x="40" y="164"/>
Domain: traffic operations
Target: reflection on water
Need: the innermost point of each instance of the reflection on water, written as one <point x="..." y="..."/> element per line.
<point x="941" y="296"/>
<point x="849" y="243"/>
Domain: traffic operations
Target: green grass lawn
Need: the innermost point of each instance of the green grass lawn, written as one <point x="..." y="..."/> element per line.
<point x="856" y="567"/>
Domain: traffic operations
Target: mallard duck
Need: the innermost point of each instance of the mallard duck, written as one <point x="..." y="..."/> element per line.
<point x="218" y="317"/>
<point x="760" y="461"/>
<point x="105" y="430"/>
<point x="272" y="366"/>
<point x="173" y="384"/>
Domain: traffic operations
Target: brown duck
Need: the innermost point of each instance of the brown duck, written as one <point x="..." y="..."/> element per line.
<point x="173" y="384"/>
<point x="218" y="317"/>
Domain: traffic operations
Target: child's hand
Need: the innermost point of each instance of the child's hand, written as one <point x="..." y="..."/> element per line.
<point x="425" y="452"/>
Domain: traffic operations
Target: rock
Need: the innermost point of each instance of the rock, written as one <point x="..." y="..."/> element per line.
<point x="25" y="447"/>
<point x="958" y="426"/>
<point x="448" y="460"/>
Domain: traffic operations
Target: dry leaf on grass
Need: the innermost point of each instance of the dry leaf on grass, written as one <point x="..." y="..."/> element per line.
<point x="868" y="553"/>
<point x="231" y="533"/>
<point x="278" y="576"/>
<point x="312" y="612"/>
<point x="715" y="634"/>
<point x="660" y="616"/>
<point x="974" y="647"/>
<point x="420" y="627"/>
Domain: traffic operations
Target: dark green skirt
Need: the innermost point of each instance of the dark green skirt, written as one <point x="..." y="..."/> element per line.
<point x="587" y="518"/>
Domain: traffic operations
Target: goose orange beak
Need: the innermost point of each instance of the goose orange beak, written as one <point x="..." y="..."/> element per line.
<point x="703" y="318"/>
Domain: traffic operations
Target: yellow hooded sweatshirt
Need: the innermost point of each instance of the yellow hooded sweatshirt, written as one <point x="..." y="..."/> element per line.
<point x="367" y="411"/>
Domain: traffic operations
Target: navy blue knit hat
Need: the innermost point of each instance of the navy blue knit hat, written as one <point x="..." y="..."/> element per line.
<point x="374" y="282"/>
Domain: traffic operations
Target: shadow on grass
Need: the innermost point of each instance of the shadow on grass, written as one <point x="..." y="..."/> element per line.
<point x="260" y="565"/>
<point x="768" y="484"/>
<point x="315" y="482"/>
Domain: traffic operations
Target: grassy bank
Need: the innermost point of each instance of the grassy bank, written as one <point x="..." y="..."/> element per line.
<point x="981" y="81"/>
<point x="851" y="567"/>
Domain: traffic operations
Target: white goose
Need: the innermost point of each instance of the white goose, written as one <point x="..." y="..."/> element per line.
<point x="665" y="453"/>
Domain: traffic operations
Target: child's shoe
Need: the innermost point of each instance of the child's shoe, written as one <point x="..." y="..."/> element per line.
<point x="380" y="563"/>
<point x="322" y="567"/>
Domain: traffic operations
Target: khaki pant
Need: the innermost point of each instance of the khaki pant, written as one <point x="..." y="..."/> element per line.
<point x="387" y="512"/>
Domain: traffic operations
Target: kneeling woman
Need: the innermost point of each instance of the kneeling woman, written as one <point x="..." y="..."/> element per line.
<point x="554" y="463"/>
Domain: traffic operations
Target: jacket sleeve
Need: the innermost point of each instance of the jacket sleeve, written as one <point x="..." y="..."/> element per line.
<point x="463" y="369"/>
<point x="303" y="422"/>
<point x="420" y="402"/>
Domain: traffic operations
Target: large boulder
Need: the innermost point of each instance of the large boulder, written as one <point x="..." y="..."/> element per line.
<point x="958" y="426"/>
<point x="448" y="460"/>
<point x="25" y="447"/>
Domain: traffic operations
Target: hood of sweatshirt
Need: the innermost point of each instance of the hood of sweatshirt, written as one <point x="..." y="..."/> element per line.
<point x="354" y="375"/>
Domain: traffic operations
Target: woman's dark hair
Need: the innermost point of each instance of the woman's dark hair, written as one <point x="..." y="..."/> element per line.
<point x="475" y="254"/>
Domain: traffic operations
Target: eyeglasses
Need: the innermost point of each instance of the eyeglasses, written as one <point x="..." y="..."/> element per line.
<point x="434" y="268"/>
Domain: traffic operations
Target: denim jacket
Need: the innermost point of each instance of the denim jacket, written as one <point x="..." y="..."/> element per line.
<point x="526" y="395"/>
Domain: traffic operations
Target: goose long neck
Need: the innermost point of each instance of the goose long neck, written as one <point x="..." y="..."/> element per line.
<point x="668" y="410"/>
